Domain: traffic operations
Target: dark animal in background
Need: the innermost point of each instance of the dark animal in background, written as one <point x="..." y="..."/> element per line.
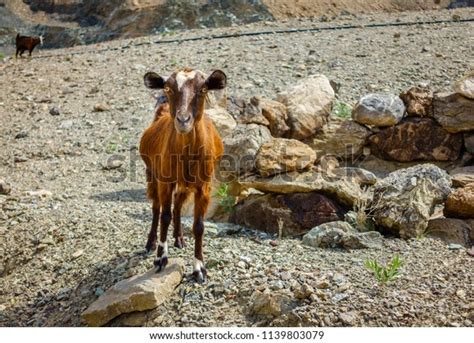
<point x="180" y="149"/>
<point x="24" y="43"/>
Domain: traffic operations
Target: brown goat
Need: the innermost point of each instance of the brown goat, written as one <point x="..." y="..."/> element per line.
<point x="24" y="43"/>
<point x="180" y="149"/>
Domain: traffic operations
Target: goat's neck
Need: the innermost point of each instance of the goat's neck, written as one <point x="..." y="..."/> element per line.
<point x="193" y="140"/>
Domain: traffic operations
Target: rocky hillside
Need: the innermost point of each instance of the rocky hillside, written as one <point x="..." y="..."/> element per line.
<point x="361" y="149"/>
<point x="72" y="22"/>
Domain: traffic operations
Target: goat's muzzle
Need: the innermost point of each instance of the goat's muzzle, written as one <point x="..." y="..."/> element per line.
<point x="183" y="123"/>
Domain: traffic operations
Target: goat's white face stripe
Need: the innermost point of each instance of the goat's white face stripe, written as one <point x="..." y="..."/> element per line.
<point x="183" y="76"/>
<point x="198" y="265"/>
<point x="164" y="245"/>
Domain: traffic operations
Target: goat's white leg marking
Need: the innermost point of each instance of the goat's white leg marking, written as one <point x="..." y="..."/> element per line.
<point x="164" y="245"/>
<point x="198" y="265"/>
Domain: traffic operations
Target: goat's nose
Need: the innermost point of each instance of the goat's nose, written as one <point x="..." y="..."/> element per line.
<point x="184" y="120"/>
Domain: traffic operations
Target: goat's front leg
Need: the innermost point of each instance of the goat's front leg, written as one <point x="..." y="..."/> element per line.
<point x="201" y="201"/>
<point x="165" y="194"/>
<point x="151" y="242"/>
<point x="179" y="199"/>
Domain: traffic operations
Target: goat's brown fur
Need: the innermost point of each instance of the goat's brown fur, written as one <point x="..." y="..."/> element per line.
<point x="24" y="43"/>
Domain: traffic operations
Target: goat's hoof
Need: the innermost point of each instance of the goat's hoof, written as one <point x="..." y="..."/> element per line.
<point x="179" y="243"/>
<point x="200" y="275"/>
<point x="160" y="263"/>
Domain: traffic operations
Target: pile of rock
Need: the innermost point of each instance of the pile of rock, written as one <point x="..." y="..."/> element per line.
<point x="286" y="153"/>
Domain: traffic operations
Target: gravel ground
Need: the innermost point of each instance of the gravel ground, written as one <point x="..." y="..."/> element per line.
<point x="72" y="226"/>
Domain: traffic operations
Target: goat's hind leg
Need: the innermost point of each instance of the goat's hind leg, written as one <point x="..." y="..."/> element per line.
<point x="201" y="202"/>
<point x="179" y="199"/>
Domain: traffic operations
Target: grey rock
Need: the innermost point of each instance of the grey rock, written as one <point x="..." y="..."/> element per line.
<point x="54" y="111"/>
<point x="241" y="148"/>
<point x="341" y="235"/>
<point x="379" y="110"/>
<point x="422" y="187"/>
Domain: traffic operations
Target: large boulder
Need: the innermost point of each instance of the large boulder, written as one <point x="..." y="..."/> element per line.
<point x="340" y="234"/>
<point x="277" y="115"/>
<point x="222" y="120"/>
<point x="345" y="189"/>
<point x="404" y="201"/>
<point x="416" y="139"/>
<point x="418" y="101"/>
<point x="138" y="293"/>
<point x="341" y="138"/>
<point x="309" y="104"/>
<point x="281" y="155"/>
<point x="297" y="213"/>
<point x="465" y="86"/>
<point x="379" y="110"/>
<point x="451" y="231"/>
<point x="241" y="148"/>
<point x="247" y="112"/>
<point x="454" y="112"/>
<point x="460" y="203"/>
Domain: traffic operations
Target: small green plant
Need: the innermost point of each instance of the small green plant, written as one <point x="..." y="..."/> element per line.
<point x="226" y="201"/>
<point x="2" y="56"/>
<point x="341" y="110"/>
<point x="382" y="274"/>
<point x="111" y="148"/>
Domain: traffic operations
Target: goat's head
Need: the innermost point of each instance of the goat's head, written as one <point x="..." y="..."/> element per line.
<point x="186" y="91"/>
<point x="41" y="40"/>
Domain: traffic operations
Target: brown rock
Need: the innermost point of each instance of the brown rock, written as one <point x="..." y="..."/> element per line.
<point x="418" y="101"/>
<point x="101" y="107"/>
<point x="345" y="189"/>
<point x="460" y="203"/>
<point x="299" y="212"/>
<point x="309" y="103"/>
<point x="341" y="138"/>
<point x="416" y="139"/>
<point x="138" y="293"/>
<point x="454" y="112"/>
<point x="4" y="187"/>
<point x="281" y="155"/>
<point x="277" y="116"/>
<point x="469" y="142"/>
<point x="267" y="304"/>
<point x="462" y="176"/>
<point x="465" y="86"/>
<point x="451" y="230"/>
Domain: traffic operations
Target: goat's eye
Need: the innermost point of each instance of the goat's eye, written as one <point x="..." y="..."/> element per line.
<point x="204" y="90"/>
<point x="167" y="89"/>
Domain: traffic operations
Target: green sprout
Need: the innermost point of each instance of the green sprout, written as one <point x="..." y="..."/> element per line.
<point x="341" y="110"/>
<point x="382" y="274"/>
<point x="226" y="201"/>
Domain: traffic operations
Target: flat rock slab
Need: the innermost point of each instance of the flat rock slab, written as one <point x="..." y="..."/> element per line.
<point x="138" y="293"/>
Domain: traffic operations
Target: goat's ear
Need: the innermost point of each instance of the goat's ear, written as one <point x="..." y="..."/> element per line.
<point x="217" y="80"/>
<point x="154" y="81"/>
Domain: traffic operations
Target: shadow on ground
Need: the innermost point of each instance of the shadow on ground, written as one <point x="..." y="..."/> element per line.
<point x="126" y="195"/>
